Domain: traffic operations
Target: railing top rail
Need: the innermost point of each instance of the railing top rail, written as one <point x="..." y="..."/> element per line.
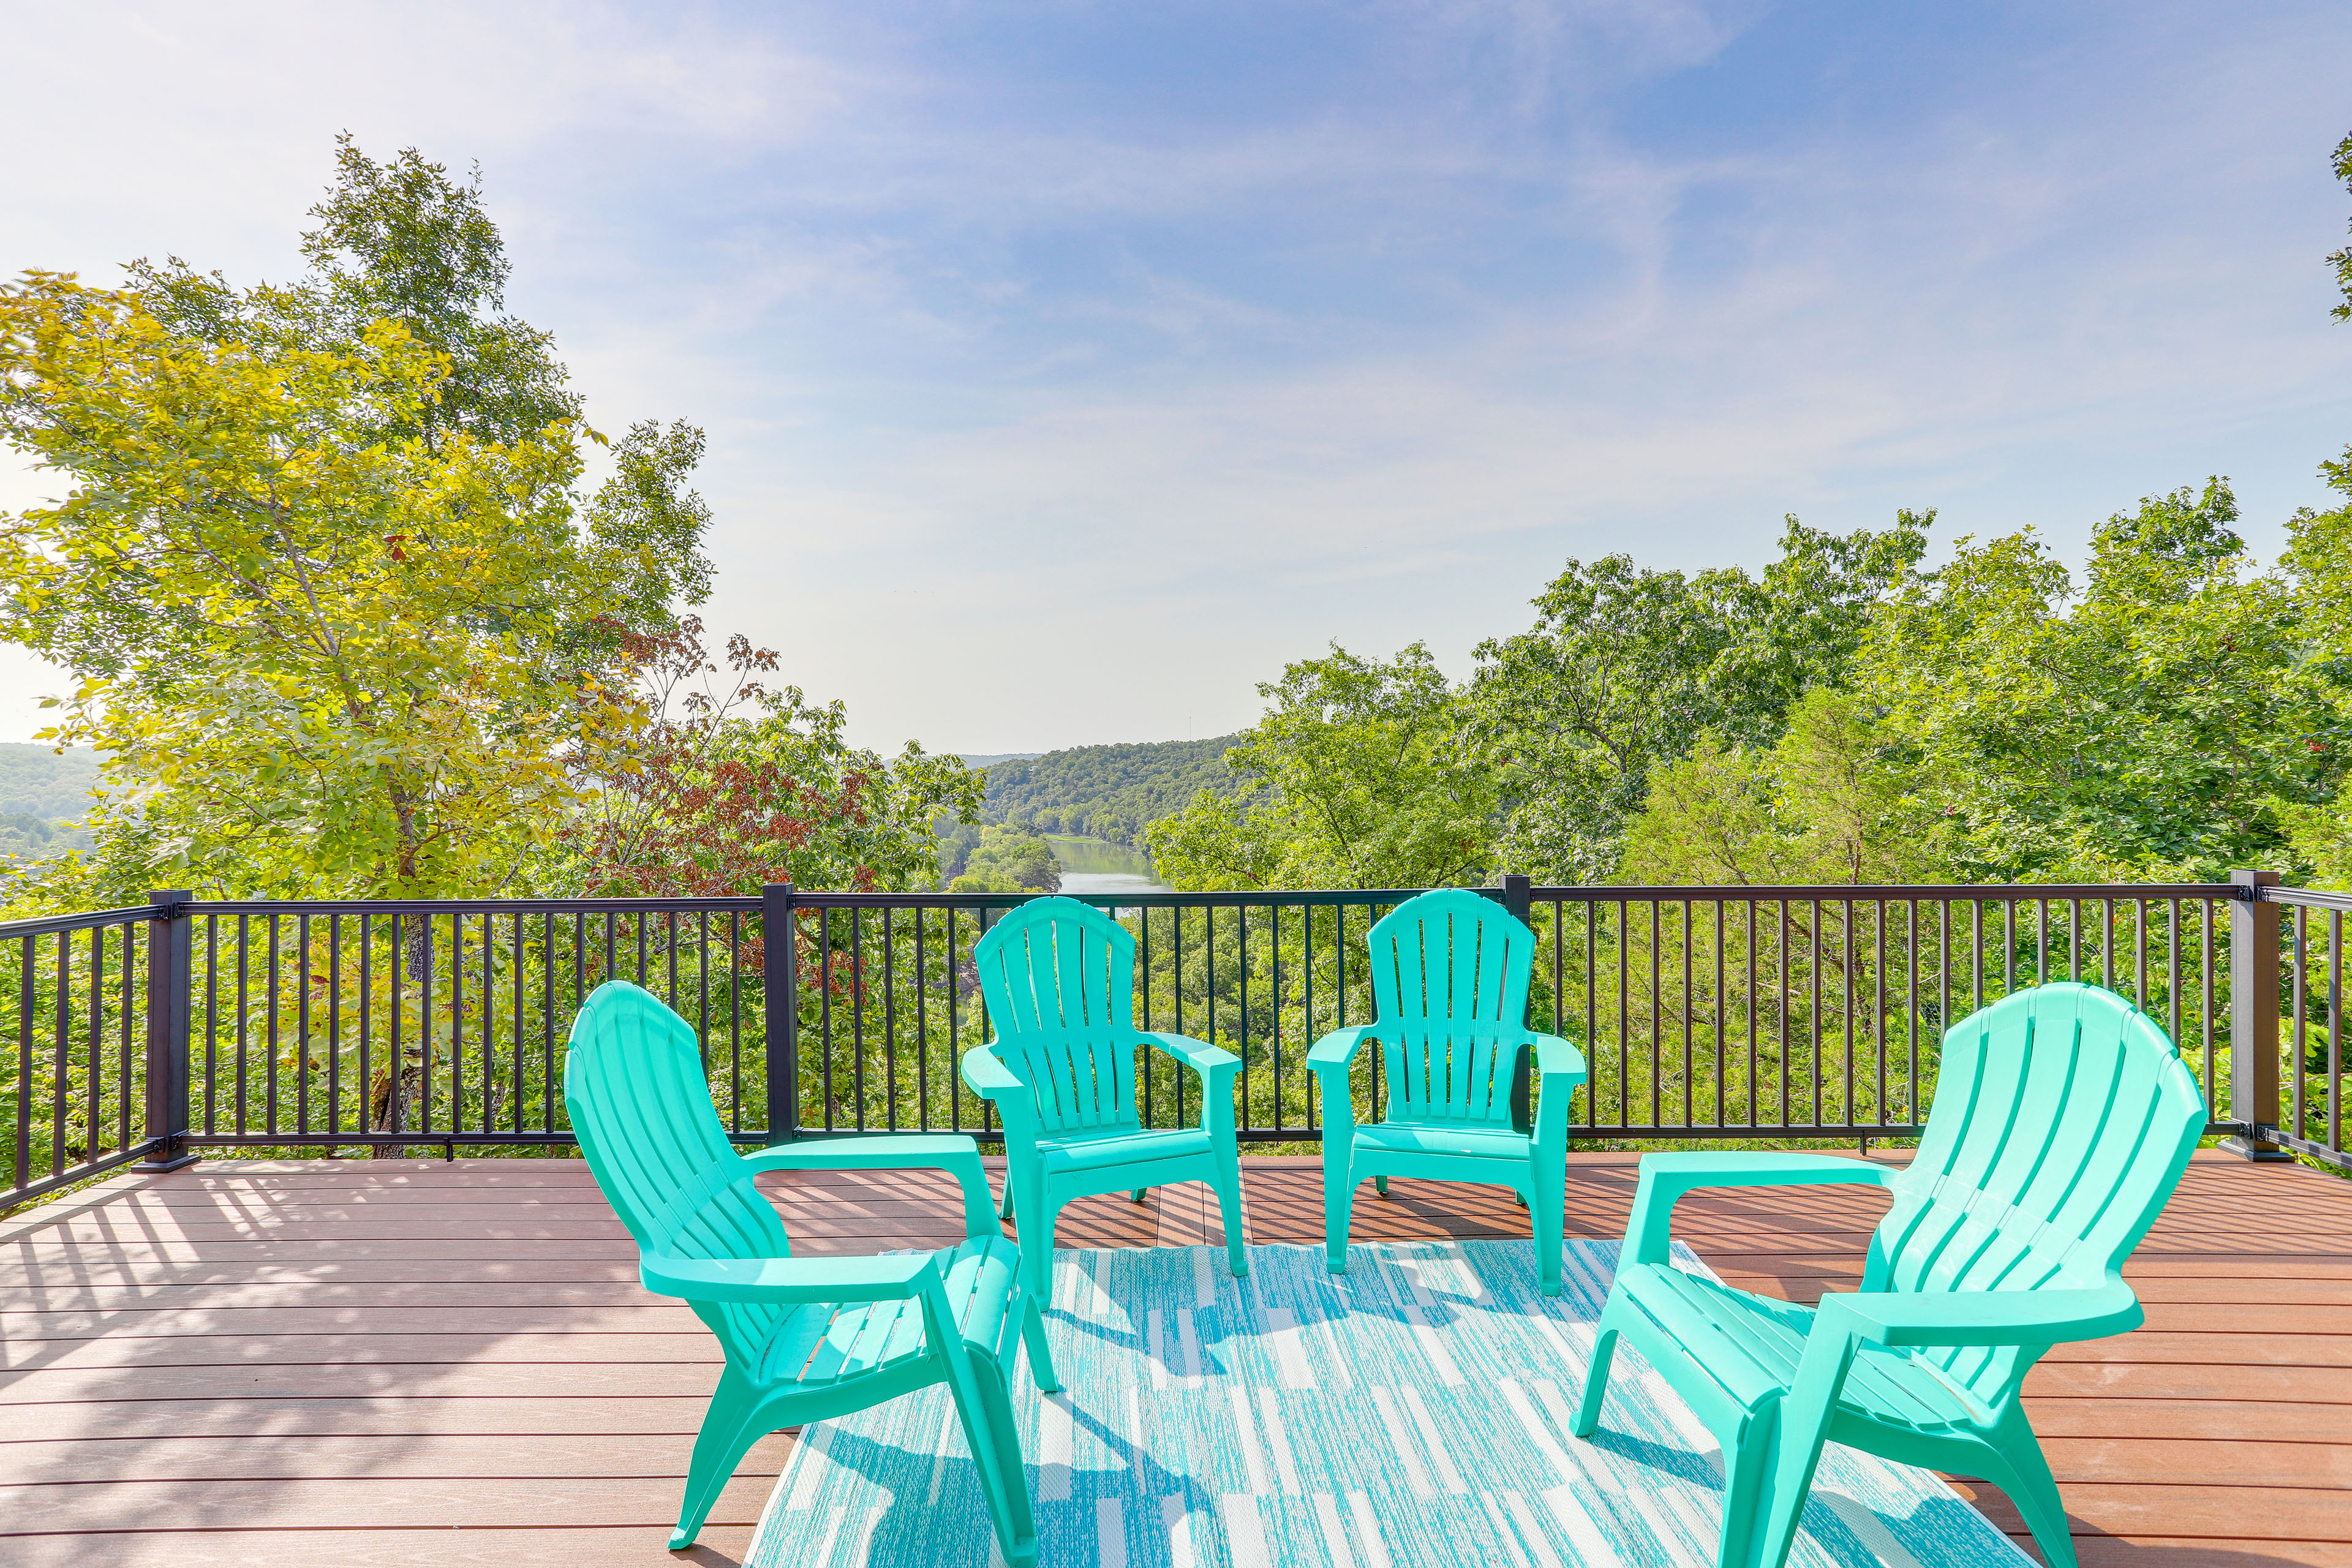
<point x="1124" y="901"/>
<point x="1885" y="891"/>
<point x="823" y="899"/>
<point x="560" y="905"/>
<point x="82" y="920"/>
<point x="2311" y="898"/>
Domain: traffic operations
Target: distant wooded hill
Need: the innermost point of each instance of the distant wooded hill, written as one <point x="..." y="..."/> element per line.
<point x="1108" y="792"/>
<point x="37" y="782"/>
<point x="39" y="790"/>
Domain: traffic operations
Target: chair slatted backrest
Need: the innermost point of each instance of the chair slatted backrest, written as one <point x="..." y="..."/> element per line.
<point x="2062" y="1121"/>
<point x="639" y="1100"/>
<point x="1058" y="977"/>
<point x="1450" y="973"/>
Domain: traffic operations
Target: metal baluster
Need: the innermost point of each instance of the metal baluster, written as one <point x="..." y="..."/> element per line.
<point x="857" y="1008"/>
<point x="923" y="1032"/>
<point x="2295" y="1050"/>
<point x="26" y="1095"/>
<point x="955" y="1036"/>
<point x="2336" y="1030"/>
<point x="825" y="1005"/>
<point x="60" y="1056"/>
<point x="890" y="1017"/>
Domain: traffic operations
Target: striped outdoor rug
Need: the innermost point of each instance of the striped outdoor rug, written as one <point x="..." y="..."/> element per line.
<point x="1413" y="1411"/>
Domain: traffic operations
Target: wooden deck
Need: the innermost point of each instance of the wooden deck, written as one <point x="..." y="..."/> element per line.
<point x="372" y="1361"/>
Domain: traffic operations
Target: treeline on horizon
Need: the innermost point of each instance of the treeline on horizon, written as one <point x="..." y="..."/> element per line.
<point x="1111" y="792"/>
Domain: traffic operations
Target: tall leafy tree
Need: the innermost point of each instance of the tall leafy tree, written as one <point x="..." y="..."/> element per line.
<point x="343" y="618"/>
<point x="2162" y="717"/>
<point x="352" y="685"/>
<point x="1830" y="801"/>
<point x="1625" y="668"/>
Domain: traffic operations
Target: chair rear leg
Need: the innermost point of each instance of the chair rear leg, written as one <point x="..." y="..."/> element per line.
<point x="1037" y="1251"/>
<point x="1137" y="1197"/>
<point x="729" y="1427"/>
<point x="1380" y="1185"/>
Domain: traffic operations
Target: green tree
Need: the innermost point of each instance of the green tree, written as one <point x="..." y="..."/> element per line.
<point x="343" y="618"/>
<point x="1006" y="860"/>
<point x="2163" y="720"/>
<point x="1626" y="666"/>
<point x="357" y="692"/>
<point x="403" y="242"/>
<point x="1830" y="801"/>
<point x="1368" y="782"/>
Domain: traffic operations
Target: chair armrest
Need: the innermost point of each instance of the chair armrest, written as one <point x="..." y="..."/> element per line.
<point x="1214" y="1066"/>
<point x="1556" y="1059"/>
<point x="960" y="1157"/>
<point x="1560" y="1067"/>
<point x="1199" y="1055"/>
<point x="1981" y="1317"/>
<point x="1337" y="1049"/>
<point x="985" y="1074"/>
<point x="788" y="1280"/>
<point x="1666" y="1177"/>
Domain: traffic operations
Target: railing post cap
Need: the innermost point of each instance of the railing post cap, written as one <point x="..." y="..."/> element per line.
<point x="2244" y="879"/>
<point x="171" y="898"/>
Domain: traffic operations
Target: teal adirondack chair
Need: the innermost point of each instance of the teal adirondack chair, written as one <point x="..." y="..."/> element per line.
<point x="1059" y="980"/>
<point x="1450" y="972"/>
<point x="805" y="1339"/>
<point x="2063" y="1120"/>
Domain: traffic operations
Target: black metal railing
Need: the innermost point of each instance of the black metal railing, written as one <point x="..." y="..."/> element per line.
<point x="1781" y="1013"/>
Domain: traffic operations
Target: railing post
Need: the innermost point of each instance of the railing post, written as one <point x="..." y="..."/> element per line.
<point x="1516" y="901"/>
<point x="2254" y="1016"/>
<point x="168" y="981"/>
<point x="779" y="970"/>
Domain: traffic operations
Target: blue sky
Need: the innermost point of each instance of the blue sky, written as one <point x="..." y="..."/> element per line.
<point x="1069" y="368"/>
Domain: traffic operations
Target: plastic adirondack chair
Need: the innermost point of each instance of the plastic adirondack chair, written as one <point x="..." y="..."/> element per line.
<point x="1450" y="972"/>
<point x="2063" y="1119"/>
<point x="805" y="1340"/>
<point x="1059" y="980"/>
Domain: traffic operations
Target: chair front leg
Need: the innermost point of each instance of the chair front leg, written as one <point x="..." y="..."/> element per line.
<point x="1041" y="1355"/>
<point x="1033" y="1215"/>
<point x="1596" y="1375"/>
<point x="1546" y="1182"/>
<point x="1339" y="1162"/>
<point x="976" y="1382"/>
<point x="729" y="1427"/>
<point x="1805" y="1413"/>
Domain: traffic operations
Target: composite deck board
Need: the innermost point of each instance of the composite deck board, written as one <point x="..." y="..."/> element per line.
<point x="428" y="1362"/>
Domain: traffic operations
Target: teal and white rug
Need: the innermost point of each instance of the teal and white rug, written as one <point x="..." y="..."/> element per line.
<point x="1413" y="1411"/>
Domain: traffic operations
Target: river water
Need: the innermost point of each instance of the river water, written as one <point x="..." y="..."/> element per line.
<point x="1093" y="866"/>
